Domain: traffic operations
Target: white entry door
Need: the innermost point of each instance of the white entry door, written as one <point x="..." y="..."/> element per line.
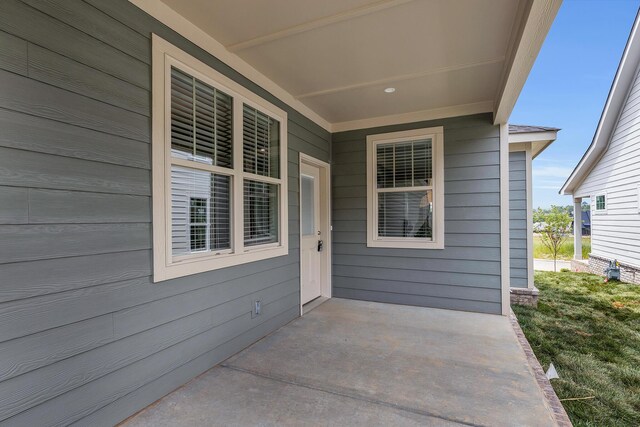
<point x="311" y="240"/>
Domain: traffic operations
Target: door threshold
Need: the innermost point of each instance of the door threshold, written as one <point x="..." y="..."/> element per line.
<point x="313" y="304"/>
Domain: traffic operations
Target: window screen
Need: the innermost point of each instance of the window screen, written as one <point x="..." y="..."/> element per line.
<point x="201" y="121"/>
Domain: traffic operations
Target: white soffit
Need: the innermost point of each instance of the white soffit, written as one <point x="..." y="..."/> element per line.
<point x="539" y="141"/>
<point x="334" y="58"/>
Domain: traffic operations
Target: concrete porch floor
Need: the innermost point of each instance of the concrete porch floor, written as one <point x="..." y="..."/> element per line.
<point x="360" y="363"/>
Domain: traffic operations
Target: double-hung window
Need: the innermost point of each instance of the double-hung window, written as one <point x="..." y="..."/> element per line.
<point x="219" y="152"/>
<point x="601" y="203"/>
<point x="405" y="197"/>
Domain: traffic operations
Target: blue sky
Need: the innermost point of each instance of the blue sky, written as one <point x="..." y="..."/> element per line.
<point x="569" y="84"/>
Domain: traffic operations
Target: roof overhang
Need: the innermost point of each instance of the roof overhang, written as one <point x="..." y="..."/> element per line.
<point x="331" y="60"/>
<point x="538" y="140"/>
<point x="618" y="94"/>
<point x="528" y="43"/>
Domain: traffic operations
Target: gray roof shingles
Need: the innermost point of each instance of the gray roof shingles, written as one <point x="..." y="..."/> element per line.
<point x="530" y="129"/>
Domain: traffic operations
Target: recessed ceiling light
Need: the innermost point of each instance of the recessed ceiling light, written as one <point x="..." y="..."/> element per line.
<point x="390" y="90"/>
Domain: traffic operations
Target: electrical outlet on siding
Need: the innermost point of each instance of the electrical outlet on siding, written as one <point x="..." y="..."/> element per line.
<point x="256" y="310"/>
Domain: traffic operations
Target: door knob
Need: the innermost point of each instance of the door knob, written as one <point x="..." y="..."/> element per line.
<point x="320" y="245"/>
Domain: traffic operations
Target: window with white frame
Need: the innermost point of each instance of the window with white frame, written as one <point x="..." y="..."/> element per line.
<point x="219" y="152"/>
<point x="601" y="203"/>
<point x="405" y="183"/>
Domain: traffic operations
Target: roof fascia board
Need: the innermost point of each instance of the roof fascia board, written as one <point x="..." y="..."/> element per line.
<point x="625" y="75"/>
<point x="187" y="29"/>
<point x="533" y="136"/>
<point x="537" y="19"/>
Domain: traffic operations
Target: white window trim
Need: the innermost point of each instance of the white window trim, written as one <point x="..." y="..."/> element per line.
<point x="165" y="265"/>
<point x="595" y="203"/>
<point x="437" y="136"/>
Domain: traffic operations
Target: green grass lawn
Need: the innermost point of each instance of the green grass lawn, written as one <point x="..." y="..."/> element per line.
<point x="591" y="332"/>
<point x="566" y="250"/>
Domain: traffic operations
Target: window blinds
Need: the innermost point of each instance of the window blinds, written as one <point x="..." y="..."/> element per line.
<point x="404" y="164"/>
<point x="201" y="121"/>
<point x="201" y="131"/>
<point x="404" y="175"/>
<point x="260" y="143"/>
<point x="260" y="213"/>
<point x="405" y="214"/>
<point x="261" y="156"/>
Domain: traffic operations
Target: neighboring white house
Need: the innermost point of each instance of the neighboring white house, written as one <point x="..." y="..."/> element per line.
<point x="608" y="174"/>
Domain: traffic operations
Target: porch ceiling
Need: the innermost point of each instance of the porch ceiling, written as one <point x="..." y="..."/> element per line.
<point x="443" y="57"/>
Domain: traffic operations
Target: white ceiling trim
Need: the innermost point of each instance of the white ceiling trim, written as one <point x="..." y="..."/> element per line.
<point x="536" y="27"/>
<point x="416" y="116"/>
<point x="316" y="23"/>
<point x="181" y="25"/>
<point x="400" y="78"/>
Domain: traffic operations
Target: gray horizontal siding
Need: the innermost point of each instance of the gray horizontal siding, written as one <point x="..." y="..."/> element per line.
<point x="518" y="219"/>
<point x="463" y="276"/>
<point x="87" y="337"/>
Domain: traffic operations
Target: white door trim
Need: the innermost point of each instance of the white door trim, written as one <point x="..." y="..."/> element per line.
<point x="325" y="220"/>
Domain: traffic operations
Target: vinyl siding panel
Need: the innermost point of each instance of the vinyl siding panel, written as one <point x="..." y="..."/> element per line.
<point x="15" y="205"/>
<point x="13" y="54"/>
<point x="463" y="276"/>
<point x="615" y="233"/>
<point x="87" y="337"/>
<point x="518" y="219"/>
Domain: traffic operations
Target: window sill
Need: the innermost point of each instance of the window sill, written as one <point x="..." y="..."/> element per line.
<point x="396" y="244"/>
<point x="188" y="266"/>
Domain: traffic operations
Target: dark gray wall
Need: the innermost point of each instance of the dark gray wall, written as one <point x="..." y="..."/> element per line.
<point x="85" y="335"/>
<point x="518" y="219"/>
<point x="466" y="274"/>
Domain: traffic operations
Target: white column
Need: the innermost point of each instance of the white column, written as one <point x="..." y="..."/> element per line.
<point x="577" y="228"/>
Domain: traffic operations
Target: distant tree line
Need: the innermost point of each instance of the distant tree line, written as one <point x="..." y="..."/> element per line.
<point x="568" y="209"/>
